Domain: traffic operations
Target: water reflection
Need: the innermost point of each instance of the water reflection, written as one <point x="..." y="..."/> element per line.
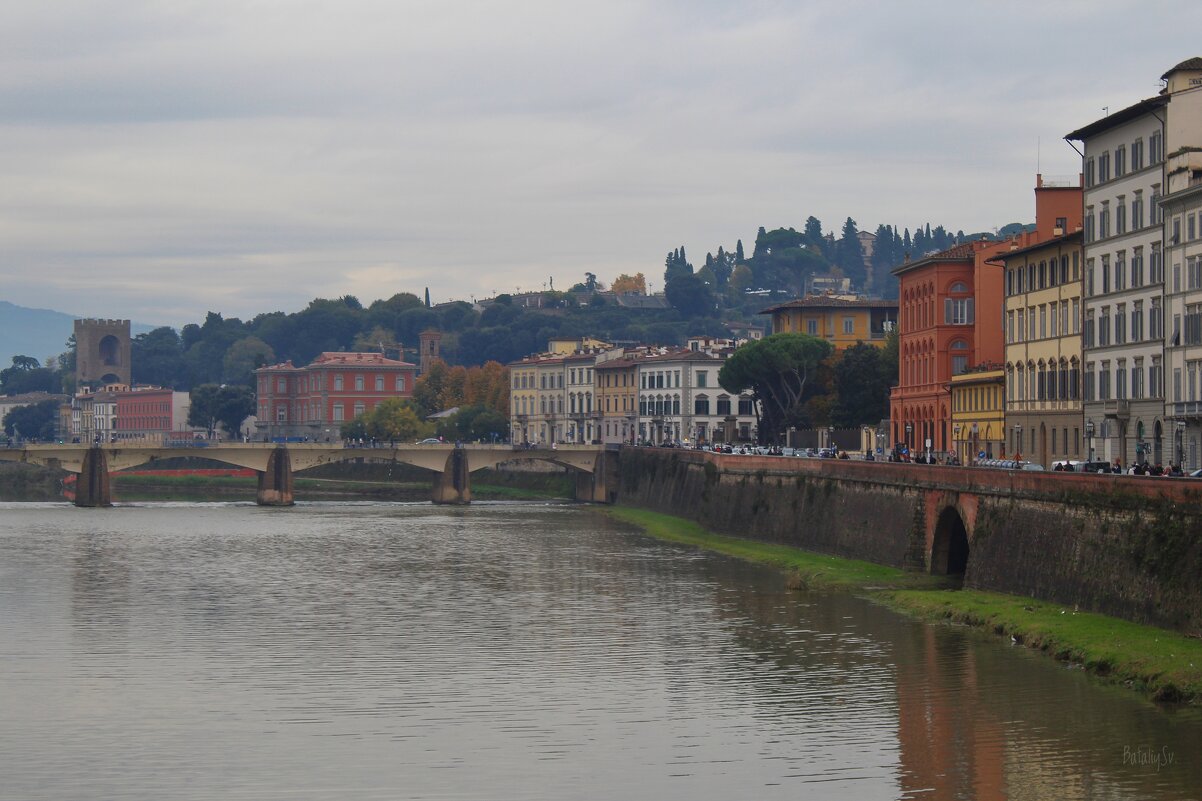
<point x="506" y="651"/>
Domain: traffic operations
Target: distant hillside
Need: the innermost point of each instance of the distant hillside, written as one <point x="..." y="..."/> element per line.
<point x="40" y="333"/>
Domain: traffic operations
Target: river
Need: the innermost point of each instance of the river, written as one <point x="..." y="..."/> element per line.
<point x="510" y="651"/>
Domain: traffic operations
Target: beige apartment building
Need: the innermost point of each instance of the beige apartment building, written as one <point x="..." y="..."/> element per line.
<point x="1182" y="210"/>
<point x="617" y="397"/>
<point x="1043" y="349"/>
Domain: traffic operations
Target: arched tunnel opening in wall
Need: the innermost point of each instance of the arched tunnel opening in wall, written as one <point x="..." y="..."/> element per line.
<point x="949" y="549"/>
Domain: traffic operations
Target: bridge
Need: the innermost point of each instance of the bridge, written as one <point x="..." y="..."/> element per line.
<point x="594" y="466"/>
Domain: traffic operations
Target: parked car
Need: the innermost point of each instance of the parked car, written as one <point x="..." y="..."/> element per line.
<point x="431" y="441"/>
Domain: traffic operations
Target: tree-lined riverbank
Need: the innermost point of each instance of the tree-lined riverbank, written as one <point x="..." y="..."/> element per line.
<point x="1161" y="663"/>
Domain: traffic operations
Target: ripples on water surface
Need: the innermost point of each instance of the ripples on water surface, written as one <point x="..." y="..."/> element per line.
<point x="508" y="651"/>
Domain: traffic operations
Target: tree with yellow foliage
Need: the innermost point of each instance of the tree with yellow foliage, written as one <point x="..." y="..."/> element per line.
<point x="630" y="285"/>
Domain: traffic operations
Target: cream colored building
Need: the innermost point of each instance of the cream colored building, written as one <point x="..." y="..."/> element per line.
<point x="1182" y="207"/>
<point x="1043" y="350"/>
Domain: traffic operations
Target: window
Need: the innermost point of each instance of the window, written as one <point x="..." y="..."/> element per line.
<point x="958" y="311"/>
<point x="723" y="405"/>
<point x="358" y="383"/>
<point x="701" y="405"/>
<point x="338" y="415"/>
<point x="400" y="383"/>
<point x="1104" y="220"/>
<point x="379" y="383"/>
<point x="338" y="383"/>
<point x="812" y="327"/>
<point x="1137" y="379"/>
<point x="1154" y="148"/>
<point x="1155" y="265"/>
<point x="1120" y="324"/>
<point x="1089" y="171"/>
<point x="1120" y="271"/>
<point x="1137" y="210"/>
<point x="359" y="408"/>
<point x="849" y="325"/>
<point x="1137" y="267"/>
<point x="1120" y="161"/>
<point x="1137" y="321"/>
<point x="281" y="386"/>
<point x="1120" y="216"/>
<point x="703" y="380"/>
<point x="745" y="406"/>
<point x="1089" y="381"/>
<point x="1137" y="154"/>
<point x="1104" y="382"/>
<point x="1104" y="327"/>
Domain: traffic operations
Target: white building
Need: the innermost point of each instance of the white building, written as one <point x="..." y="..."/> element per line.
<point x="1182" y="211"/>
<point x="1123" y="332"/>
<point x="680" y="400"/>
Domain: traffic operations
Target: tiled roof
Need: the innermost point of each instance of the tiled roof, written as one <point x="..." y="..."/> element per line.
<point x="965" y="251"/>
<point x="356" y="359"/>
<point x="825" y="302"/>
<point x="1119" y="117"/>
<point x="1194" y="63"/>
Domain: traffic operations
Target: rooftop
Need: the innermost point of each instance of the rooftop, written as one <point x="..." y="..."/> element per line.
<point x="832" y="302"/>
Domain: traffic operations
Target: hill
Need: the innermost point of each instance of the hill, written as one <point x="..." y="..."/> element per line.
<point x="41" y="333"/>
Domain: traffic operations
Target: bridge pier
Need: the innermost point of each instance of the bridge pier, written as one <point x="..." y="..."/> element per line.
<point x="93" y="487"/>
<point x="453" y="485"/>
<point x="601" y="485"/>
<point x="275" y="482"/>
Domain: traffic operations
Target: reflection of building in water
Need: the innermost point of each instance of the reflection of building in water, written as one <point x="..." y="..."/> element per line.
<point x="947" y="749"/>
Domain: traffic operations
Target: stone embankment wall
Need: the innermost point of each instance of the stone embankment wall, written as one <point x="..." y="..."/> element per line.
<point x="1124" y="546"/>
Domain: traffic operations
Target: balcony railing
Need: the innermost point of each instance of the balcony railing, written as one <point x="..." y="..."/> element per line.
<point x="1187" y="409"/>
<point x="1120" y="409"/>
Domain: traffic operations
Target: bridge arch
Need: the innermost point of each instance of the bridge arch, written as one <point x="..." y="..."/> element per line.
<point x="949" y="546"/>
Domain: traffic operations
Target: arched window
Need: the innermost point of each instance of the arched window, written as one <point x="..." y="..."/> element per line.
<point x="957" y="287"/>
<point x="701" y="404"/>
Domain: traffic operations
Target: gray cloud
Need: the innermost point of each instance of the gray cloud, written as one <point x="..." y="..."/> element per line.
<point x="160" y="160"/>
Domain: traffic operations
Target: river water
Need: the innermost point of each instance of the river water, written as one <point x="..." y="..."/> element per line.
<point x="510" y="651"/>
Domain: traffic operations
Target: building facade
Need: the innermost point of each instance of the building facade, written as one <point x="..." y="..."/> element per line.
<point x="313" y="402"/>
<point x="841" y="320"/>
<point x="1043" y="350"/>
<point x="153" y="414"/>
<point x="978" y="414"/>
<point x="617" y="397"/>
<point x="1123" y="276"/>
<point x="939" y="296"/>
<point x="680" y="401"/>
<point x="1182" y="212"/>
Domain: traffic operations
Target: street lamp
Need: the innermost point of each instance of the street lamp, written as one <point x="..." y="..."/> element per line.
<point x="830" y="437"/>
<point x="1089" y="437"/>
<point x="1181" y="444"/>
<point x="909" y="437"/>
<point x="973" y="453"/>
<point x="1018" y="448"/>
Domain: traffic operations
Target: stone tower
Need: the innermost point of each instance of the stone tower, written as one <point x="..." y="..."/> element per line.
<point x="102" y="351"/>
<point x="431" y="344"/>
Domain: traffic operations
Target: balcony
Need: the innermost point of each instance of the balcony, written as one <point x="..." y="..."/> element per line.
<point x="1118" y="409"/>
<point x="1187" y="409"/>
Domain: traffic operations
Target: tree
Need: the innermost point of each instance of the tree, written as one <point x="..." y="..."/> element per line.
<point x="689" y="295"/>
<point x="35" y="420"/>
<point x="395" y="419"/>
<point x="775" y="368"/>
<point x="211" y="405"/>
<point x="849" y="253"/>
<point x="243" y="358"/>
<point x="862" y="382"/>
<point x="27" y="375"/>
<point x="475" y="422"/>
<point x="630" y="285"/>
<point x="155" y="358"/>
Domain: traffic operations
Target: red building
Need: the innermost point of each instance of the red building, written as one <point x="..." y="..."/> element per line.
<point x="151" y="413"/>
<point x="314" y="401"/>
<point x="950" y="319"/>
<point x="938" y="299"/>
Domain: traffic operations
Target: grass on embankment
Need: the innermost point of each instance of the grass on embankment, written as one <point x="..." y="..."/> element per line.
<point x="1163" y="663"/>
<point x="807" y="570"/>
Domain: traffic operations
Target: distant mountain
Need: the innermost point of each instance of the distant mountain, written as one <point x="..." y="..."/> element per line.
<point x="40" y="333"/>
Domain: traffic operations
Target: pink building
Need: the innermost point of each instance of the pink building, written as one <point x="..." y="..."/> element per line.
<point x="314" y="401"/>
<point x="151" y="413"/>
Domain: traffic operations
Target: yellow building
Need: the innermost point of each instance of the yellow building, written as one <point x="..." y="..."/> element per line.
<point x="617" y="382"/>
<point x="979" y="414"/>
<point x="1043" y="334"/>
<point x="842" y="320"/>
<point x="566" y="347"/>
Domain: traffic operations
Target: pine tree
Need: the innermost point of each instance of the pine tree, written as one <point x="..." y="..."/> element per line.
<point x="739" y="252"/>
<point x="427" y="297"/>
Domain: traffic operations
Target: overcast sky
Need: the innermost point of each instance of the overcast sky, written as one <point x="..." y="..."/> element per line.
<point x="162" y="159"/>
